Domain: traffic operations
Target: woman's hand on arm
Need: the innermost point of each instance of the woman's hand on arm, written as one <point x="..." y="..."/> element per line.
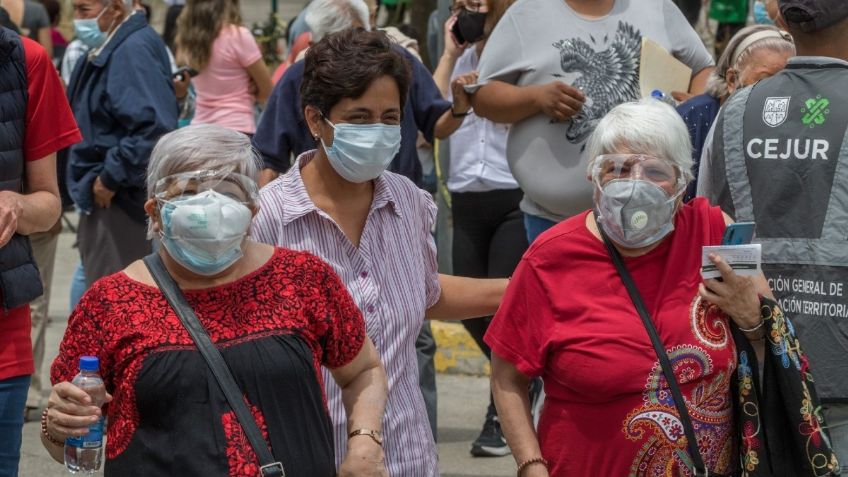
<point x="510" y="390"/>
<point x="507" y="103"/>
<point x="364" y="392"/>
<point x="462" y="298"/>
<point x="261" y="78"/>
<point x="69" y="414"/>
<point x="452" y="119"/>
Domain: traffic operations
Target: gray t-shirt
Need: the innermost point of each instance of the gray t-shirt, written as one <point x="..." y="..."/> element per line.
<point x="35" y="18"/>
<point x="540" y="41"/>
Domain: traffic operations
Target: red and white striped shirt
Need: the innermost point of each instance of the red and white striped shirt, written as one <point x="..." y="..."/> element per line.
<point x="392" y="277"/>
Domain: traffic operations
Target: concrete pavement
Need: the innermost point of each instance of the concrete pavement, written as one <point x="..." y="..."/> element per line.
<point x="462" y="399"/>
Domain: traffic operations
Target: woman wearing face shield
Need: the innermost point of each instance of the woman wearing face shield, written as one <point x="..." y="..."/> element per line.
<point x="276" y="315"/>
<point x="373" y="226"/>
<point x="567" y="317"/>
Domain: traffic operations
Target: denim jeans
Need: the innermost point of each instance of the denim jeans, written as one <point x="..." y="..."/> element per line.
<point x="78" y="287"/>
<point x="535" y="225"/>
<point x="13" y="395"/>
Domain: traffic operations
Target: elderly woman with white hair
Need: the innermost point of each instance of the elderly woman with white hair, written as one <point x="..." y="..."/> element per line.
<point x="567" y="317"/>
<point x="276" y="316"/>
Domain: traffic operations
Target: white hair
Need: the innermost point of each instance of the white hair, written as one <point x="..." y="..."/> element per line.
<point x="330" y="16"/>
<point x="717" y="82"/>
<point x="648" y="127"/>
<point x="201" y="147"/>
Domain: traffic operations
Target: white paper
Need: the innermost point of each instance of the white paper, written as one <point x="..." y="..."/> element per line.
<point x="743" y="259"/>
<point x="660" y="70"/>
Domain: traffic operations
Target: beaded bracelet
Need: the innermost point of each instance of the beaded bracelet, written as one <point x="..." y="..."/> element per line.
<point x="529" y="462"/>
<point x="46" y="434"/>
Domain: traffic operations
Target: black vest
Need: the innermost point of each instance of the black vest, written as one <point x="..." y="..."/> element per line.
<point x="20" y="282"/>
<point x="786" y="167"/>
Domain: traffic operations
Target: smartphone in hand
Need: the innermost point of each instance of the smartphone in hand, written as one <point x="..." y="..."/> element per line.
<point x="739" y="233"/>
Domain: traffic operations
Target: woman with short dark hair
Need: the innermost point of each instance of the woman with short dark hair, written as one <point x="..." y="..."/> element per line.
<point x="373" y="226"/>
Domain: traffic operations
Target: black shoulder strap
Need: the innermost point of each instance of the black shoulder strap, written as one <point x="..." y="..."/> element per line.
<point x="268" y="466"/>
<point x="699" y="470"/>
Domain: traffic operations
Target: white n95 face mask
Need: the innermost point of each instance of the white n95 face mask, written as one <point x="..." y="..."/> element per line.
<point x="361" y="152"/>
<point x="204" y="232"/>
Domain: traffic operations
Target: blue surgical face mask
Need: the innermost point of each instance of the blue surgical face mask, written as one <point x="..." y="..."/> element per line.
<point x="761" y="15"/>
<point x="204" y="232"/>
<point x="88" y="31"/>
<point x="361" y="152"/>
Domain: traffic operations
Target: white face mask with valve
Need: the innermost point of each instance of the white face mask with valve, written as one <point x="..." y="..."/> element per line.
<point x="633" y="205"/>
<point x="361" y="152"/>
<point x="636" y="213"/>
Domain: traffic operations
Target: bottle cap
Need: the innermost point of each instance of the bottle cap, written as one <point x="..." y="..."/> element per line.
<point x="657" y="94"/>
<point x="89" y="363"/>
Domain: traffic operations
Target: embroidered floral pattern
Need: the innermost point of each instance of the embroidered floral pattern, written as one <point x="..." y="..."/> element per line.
<point x="123" y="321"/>
<point x="709" y="324"/>
<point x="240" y="455"/>
<point x="784" y="348"/>
<point x="658" y="423"/>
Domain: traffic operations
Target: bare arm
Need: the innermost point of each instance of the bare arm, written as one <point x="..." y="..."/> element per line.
<point x="261" y="77"/>
<point x="266" y="176"/>
<point x="46" y="40"/>
<point x="364" y="392"/>
<point x="699" y="81"/>
<point x="464" y="298"/>
<point x="38" y="208"/>
<point x="447" y="62"/>
<point x="509" y="388"/>
<point x="506" y="103"/>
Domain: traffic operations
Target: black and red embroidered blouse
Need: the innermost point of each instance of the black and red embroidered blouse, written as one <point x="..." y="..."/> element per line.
<point x="275" y="327"/>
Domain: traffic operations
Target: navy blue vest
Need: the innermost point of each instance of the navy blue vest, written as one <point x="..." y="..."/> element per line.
<point x="20" y="282"/>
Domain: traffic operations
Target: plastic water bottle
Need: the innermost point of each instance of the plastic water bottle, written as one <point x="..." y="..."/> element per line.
<point x="83" y="454"/>
<point x="665" y="98"/>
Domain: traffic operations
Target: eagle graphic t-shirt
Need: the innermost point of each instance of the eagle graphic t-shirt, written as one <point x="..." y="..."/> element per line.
<point x="540" y="41"/>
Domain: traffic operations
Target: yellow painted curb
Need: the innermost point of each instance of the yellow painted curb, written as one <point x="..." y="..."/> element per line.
<point x="457" y="353"/>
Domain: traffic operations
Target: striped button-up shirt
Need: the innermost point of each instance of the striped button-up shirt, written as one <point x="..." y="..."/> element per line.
<point x="393" y="278"/>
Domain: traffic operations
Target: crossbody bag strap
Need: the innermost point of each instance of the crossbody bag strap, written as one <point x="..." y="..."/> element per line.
<point x="269" y="467"/>
<point x="691" y="442"/>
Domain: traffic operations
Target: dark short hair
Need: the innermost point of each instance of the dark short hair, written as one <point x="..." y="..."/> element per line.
<point x="344" y="64"/>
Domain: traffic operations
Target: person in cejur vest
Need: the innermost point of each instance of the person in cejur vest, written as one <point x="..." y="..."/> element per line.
<point x="780" y="158"/>
<point x="35" y="122"/>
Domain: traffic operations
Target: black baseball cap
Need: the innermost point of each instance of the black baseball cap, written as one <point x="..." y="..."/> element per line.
<point x="813" y="15"/>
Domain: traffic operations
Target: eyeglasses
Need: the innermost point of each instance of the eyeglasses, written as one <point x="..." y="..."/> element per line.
<point x="609" y="167"/>
<point x="236" y="186"/>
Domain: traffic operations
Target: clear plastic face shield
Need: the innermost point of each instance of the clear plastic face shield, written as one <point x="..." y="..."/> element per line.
<point x="236" y="186"/>
<point x="661" y="173"/>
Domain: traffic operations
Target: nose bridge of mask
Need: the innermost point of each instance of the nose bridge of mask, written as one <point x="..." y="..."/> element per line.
<point x="362" y="135"/>
<point x="208" y="215"/>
